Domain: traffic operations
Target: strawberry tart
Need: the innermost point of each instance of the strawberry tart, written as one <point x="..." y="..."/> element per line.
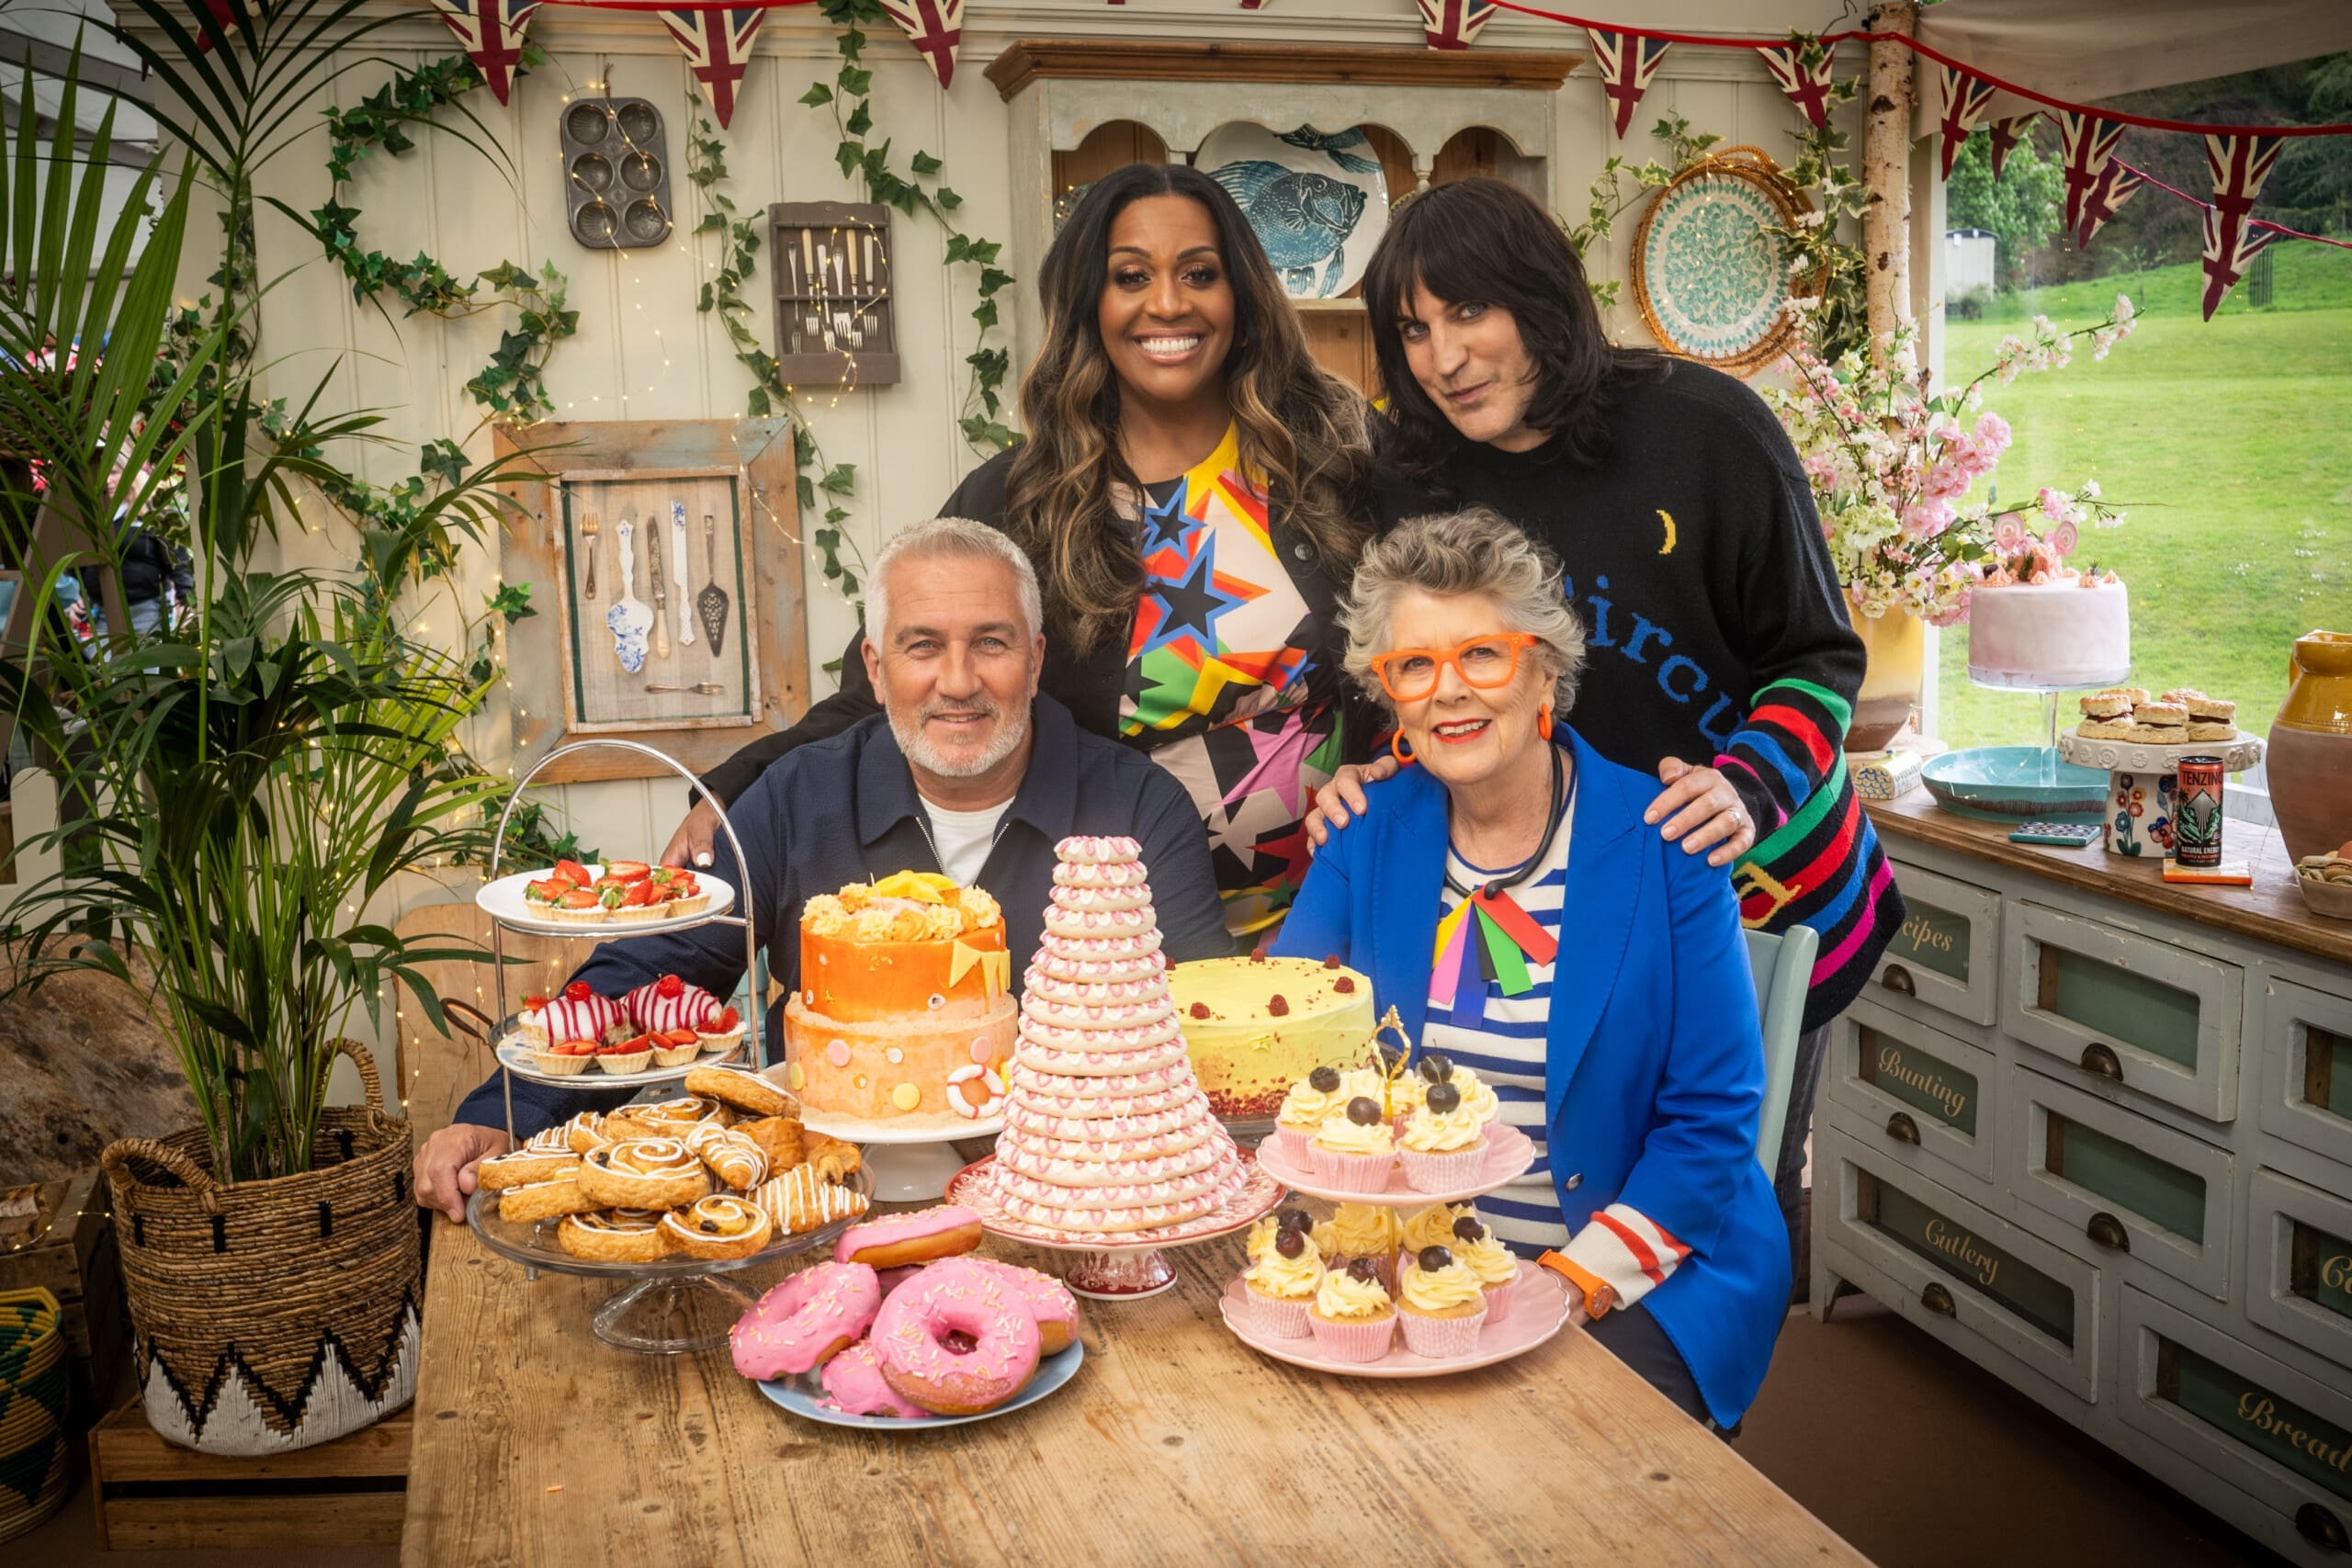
<point x="664" y="1023"/>
<point x="1107" y="1131"/>
<point x="905" y="1014"/>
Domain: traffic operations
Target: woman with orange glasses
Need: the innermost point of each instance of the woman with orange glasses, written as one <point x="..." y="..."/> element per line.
<point x="1618" y="1029"/>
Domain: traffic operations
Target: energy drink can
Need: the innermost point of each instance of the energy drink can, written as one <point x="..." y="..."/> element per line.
<point x="2197" y="811"/>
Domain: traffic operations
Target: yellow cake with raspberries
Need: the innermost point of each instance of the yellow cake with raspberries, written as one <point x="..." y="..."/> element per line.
<point x="905" y="1014"/>
<point x="1255" y="1026"/>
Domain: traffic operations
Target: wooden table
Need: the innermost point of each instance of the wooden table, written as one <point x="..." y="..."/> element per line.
<point x="1175" y="1444"/>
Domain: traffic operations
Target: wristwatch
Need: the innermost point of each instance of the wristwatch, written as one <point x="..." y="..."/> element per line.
<point x="1598" y="1296"/>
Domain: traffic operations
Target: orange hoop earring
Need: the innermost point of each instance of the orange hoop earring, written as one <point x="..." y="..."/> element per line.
<point x="1544" y="721"/>
<point x="1400" y="751"/>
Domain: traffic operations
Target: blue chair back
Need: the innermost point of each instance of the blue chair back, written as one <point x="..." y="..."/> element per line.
<point x="1783" y="968"/>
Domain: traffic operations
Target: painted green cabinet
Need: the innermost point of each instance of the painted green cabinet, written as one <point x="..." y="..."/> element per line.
<point x="1926" y="1090"/>
<point x="2305" y="1037"/>
<point x="1948" y="952"/>
<point x="2299" y="1265"/>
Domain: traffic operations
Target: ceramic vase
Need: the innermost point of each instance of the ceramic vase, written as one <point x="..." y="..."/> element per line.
<point x="1896" y="645"/>
<point x="2310" y="755"/>
<point x="2139" y="814"/>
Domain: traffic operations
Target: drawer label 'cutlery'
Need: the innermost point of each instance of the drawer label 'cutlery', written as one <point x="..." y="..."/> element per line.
<point x="2317" y="1449"/>
<point x="1919" y="1080"/>
<point x="1968" y="1258"/>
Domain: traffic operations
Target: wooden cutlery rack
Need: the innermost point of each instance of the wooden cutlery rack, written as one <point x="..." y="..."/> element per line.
<point x="836" y="313"/>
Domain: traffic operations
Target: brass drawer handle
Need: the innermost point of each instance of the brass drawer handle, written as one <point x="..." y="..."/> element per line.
<point x="2322" y="1529"/>
<point x="2102" y="1062"/>
<point x="1902" y="1128"/>
<point x="2105" y="1230"/>
<point x="1898" y="978"/>
<point x="1937" y="1299"/>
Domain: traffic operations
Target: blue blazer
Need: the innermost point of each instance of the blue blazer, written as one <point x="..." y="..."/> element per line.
<point x="1656" y="1069"/>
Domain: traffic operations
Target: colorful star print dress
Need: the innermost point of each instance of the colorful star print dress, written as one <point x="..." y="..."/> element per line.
<point x="1223" y="688"/>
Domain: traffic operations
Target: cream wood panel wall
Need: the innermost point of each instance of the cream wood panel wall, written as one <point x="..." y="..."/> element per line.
<point x="644" y="353"/>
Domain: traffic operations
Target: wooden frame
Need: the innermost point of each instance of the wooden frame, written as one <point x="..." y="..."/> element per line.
<point x="822" y="286"/>
<point x="1751" y="166"/>
<point x="755" y="458"/>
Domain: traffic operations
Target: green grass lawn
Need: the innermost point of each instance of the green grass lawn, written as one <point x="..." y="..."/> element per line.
<point x="2230" y="442"/>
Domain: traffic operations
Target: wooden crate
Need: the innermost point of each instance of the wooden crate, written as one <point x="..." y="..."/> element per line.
<point x="154" y="1495"/>
<point x="60" y="1236"/>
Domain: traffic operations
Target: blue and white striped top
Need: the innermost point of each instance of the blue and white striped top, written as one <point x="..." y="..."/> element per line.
<point x="1506" y="1048"/>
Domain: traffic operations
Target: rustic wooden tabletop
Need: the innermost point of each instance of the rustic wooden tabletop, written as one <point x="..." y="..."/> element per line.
<point x="1175" y="1444"/>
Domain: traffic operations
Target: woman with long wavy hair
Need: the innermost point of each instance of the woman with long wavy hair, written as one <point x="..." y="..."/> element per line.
<point x="1192" y="494"/>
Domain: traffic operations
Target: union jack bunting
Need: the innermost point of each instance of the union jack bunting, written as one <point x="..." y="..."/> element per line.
<point x="2007" y="134"/>
<point x="1806" y="84"/>
<point x="2240" y="164"/>
<point x="935" y="27"/>
<point x="1628" y="62"/>
<point x="490" y="32"/>
<point x="2087" y="142"/>
<point x="221" y="13"/>
<point x="1452" y="24"/>
<point x="718" y="46"/>
<point x="1964" y="98"/>
<point x="2113" y="188"/>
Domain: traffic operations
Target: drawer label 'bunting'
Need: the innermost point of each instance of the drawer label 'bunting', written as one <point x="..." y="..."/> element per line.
<point x="2316" y="1449"/>
<point x="2319" y="1269"/>
<point x="1967" y="1256"/>
<point x="1919" y="1080"/>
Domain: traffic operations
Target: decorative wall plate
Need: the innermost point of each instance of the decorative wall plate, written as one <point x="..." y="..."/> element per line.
<point x="1707" y="267"/>
<point x="1318" y="203"/>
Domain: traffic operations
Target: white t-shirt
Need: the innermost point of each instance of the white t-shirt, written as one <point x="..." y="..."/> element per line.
<point x="964" y="839"/>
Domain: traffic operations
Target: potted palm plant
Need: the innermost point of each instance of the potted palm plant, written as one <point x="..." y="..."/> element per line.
<point x="238" y="790"/>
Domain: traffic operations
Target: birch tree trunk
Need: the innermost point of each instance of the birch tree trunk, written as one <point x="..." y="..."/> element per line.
<point x="1886" y="170"/>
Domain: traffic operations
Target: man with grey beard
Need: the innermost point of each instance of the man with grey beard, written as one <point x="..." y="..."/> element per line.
<point x="968" y="770"/>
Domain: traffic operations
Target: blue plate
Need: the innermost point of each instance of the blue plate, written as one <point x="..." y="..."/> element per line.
<point x="800" y="1395"/>
<point x="2016" y="784"/>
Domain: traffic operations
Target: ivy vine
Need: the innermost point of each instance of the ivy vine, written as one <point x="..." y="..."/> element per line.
<point x="1814" y="245"/>
<point x="1608" y="198"/>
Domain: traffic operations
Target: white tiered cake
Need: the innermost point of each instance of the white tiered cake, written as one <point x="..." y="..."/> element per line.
<point x="2050" y="635"/>
<point x="1106" y="1130"/>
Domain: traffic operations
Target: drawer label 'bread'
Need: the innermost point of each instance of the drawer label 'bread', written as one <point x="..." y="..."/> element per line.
<point x="1967" y="1256"/>
<point x="2319" y="1269"/>
<point x="1933" y="939"/>
<point x="1919" y="1080"/>
<point x="2317" y="1449"/>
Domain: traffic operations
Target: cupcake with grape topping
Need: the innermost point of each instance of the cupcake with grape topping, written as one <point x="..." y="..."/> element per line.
<point x="1317" y="1095"/>
<point x="1260" y="1239"/>
<point x="1443" y="1144"/>
<point x="1355" y="1151"/>
<point x="1442" y="1304"/>
<point x="1353" y="1319"/>
<point x="1359" y="1230"/>
<point x="1281" y="1287"/>
<point x="1432" y="1226"/>
<point x="1474" y="1247"/>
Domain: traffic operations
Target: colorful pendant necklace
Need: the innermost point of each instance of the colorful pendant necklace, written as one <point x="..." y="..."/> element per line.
<point x="1488" y="936"/>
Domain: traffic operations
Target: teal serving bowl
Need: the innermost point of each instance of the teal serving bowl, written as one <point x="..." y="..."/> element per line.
<point x="2016" y="784"/>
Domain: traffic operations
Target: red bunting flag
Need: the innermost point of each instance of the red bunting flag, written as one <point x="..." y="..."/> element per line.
<point x="2087" y="143"/>
<point x="936" y="26"/>
<point x="1964" y="98"/>
<point x="1453" y="24"/>
<point x="1802" y="69"/>
<point x="2116" y="182"/>
<point x="718" y="45"/>
<point x="490" y="32"/>
<point x="221" y="13"/>
<point x="2007" y="134"/>
<point x="2239" y="165"/>
<point x="1628" y="62"/>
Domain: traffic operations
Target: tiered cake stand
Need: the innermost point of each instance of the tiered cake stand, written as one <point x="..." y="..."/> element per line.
<point x="1119" y="1266"/>
<point x="1539" y="1304"/>
<point x="679" y="1305"/>
<point x="2141" y="782"/>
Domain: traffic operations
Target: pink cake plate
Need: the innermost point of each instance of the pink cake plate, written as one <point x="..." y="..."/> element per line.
<point x="1116" y="1267"/>
<point x="1538" y="1311"/>
<point x="1508" y="1154"/>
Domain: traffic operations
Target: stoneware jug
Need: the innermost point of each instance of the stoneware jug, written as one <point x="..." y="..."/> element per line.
<point x="2310" y="756"/>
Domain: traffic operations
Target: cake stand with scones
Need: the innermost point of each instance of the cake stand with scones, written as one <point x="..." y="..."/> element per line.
<point x="2141" y="783"/>
<point x="676" y="1305"/>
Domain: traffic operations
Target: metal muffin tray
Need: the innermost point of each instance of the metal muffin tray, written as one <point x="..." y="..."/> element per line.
<point x="616" y="173"/>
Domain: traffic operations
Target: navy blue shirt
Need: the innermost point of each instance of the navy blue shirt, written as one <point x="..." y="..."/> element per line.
<point x="845" y="810"/>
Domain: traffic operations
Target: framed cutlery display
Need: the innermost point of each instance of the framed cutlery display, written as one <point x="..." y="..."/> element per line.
<point x="666" y="579"/>
<point x="836" y="320"/>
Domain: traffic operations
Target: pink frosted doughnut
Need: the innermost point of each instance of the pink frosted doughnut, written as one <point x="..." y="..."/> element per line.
<point x="1097" y="852"/>
<point x="854" y="1386"/>
<point x="957" y="1341"/>
<point x="806" y="1321"/>
<point x="1047" y="1299"/>
<point x="1126" y="874"/>
<point x="941" y="1231"/>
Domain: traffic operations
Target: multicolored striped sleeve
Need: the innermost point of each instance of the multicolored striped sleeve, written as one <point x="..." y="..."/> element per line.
<point x="1625" y="1250"/>
<point x="1815" y="861"/>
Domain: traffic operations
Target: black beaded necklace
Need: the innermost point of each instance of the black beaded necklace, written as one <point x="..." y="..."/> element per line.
<point x="1542" y="848"/>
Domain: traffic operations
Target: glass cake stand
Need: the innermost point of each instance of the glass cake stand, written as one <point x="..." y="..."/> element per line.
<point x="1119" y="1266"/>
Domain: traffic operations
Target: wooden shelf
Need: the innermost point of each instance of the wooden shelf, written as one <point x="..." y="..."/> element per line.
<point x="1120" y="59"/>
<point x="154" y="1495"/>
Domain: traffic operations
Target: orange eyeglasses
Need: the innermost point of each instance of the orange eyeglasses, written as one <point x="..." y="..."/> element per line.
<point x="1408" y="674"/>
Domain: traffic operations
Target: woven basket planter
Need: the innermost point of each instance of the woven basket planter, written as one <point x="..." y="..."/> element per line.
<point x="269" y="1316"/>
<point x="32" y="1409"/>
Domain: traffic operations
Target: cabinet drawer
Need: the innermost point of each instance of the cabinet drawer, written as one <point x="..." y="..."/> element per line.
<point x="2119" y="1180"/>
<point x="2306" y="1044"/>
<point x="1947" y="955"/>
<point x="2127" y="1010"/>
<point x="2297" y="1273"/>
<point x="1999" y="1296"/>
<point x="2282" y="1438"/>
<point x="1927" y="1094"/>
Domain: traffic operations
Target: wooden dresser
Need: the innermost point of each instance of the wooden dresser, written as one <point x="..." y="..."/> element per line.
<point x="2094" y="1131"/>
